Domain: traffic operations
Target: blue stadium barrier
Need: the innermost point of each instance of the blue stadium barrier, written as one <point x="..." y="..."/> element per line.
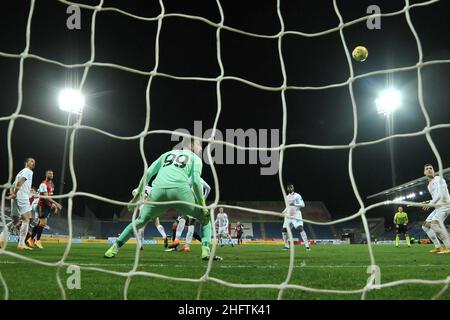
<point x="257" y="230"/>
<point x="273" y="229"/>
<point x="322" y="232"/>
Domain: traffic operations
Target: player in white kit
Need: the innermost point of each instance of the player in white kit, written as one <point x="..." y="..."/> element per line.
<point x="294" y="218"/>
<point x="14" y="225"/>
<point x="434" y="223"/>
<point x="223" y="222"/>
<point x="34" y="220"/>
<point x="20" y="203"/>
<point x="34" y="217"/>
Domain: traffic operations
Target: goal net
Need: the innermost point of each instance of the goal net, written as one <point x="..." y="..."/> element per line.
<point x="220" y="26"/>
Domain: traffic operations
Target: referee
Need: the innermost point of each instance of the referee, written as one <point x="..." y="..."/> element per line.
<point x="401" y="222"/>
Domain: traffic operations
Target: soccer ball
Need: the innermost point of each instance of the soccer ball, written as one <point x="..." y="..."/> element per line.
<point x="360" y="53"/>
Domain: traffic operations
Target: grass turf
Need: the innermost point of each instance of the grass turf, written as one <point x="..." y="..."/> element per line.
<point x="339" y="267"/>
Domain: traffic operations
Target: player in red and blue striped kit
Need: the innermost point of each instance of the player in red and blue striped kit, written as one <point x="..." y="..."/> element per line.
<point x="239" y="229"/>
<point x="45" y="207"/>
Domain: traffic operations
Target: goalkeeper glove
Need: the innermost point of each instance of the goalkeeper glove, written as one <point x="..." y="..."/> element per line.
<point x="136" y="196"/>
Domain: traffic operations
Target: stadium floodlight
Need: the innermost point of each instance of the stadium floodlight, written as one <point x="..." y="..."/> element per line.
<point x="71" y="100"/>
<point x="388" y="101"/>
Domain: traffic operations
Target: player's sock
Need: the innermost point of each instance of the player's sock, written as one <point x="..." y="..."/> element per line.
<point x="206" y="235"/>
<point x="141" y="236"/>
<point x="305" y="238"/>
<point x="4" y="233"/>
<point x="196" y="236"/>
<point x="10" y="227"/>
<point x="127" y="233"/>
<point x="13" y="228"/>
<point x="23" y="233"/>
<point x="39" y="232"/>
<point x="442" y="234"/>
<point x="397" y="240"/>
<point x="162" y="231"/>
<point x="180" y="228"/>
<point x="189" y="235"/>
<point x="285" y="239"/>
<point x="408" y="242"/>
<point x="34" y="232"/>
<point x="432" y="235"/>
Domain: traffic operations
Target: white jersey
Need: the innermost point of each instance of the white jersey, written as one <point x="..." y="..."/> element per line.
<point x="43" y="188"/>
<point x="222" y="219"/>
<point x="25" y="191"/>
<point x="295" y="202"/>
<point x="147" y="191"/>
<point x="435" y="186"/>
<point x="206" y="187"/>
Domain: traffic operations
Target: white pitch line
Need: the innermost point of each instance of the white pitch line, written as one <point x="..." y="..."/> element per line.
<point x="221" y="266"/>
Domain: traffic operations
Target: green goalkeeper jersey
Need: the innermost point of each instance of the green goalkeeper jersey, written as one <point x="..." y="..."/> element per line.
<point x="173" y="169"/>
<point x="176" y="167"/>
<point x="401" y="218"/>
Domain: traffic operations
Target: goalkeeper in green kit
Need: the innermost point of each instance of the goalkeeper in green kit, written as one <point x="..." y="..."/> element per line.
<point x="173" y="170"/>
<point x="401" y="222"/>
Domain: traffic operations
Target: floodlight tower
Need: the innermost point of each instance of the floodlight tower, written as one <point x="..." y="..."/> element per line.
<point x="71" y="101"/>
<point x="387" y="102"/>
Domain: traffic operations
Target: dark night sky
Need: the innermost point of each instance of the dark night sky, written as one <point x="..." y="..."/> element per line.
<point x="116" y="99"/>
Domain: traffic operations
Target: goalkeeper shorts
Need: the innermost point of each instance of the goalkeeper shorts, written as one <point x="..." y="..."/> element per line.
<point x="153" y="211"/>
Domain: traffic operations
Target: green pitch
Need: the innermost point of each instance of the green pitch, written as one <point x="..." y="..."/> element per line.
<point x="340" y="267"/>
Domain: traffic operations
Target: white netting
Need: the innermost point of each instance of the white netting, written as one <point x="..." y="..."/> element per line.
<point x="218" y="80"/>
